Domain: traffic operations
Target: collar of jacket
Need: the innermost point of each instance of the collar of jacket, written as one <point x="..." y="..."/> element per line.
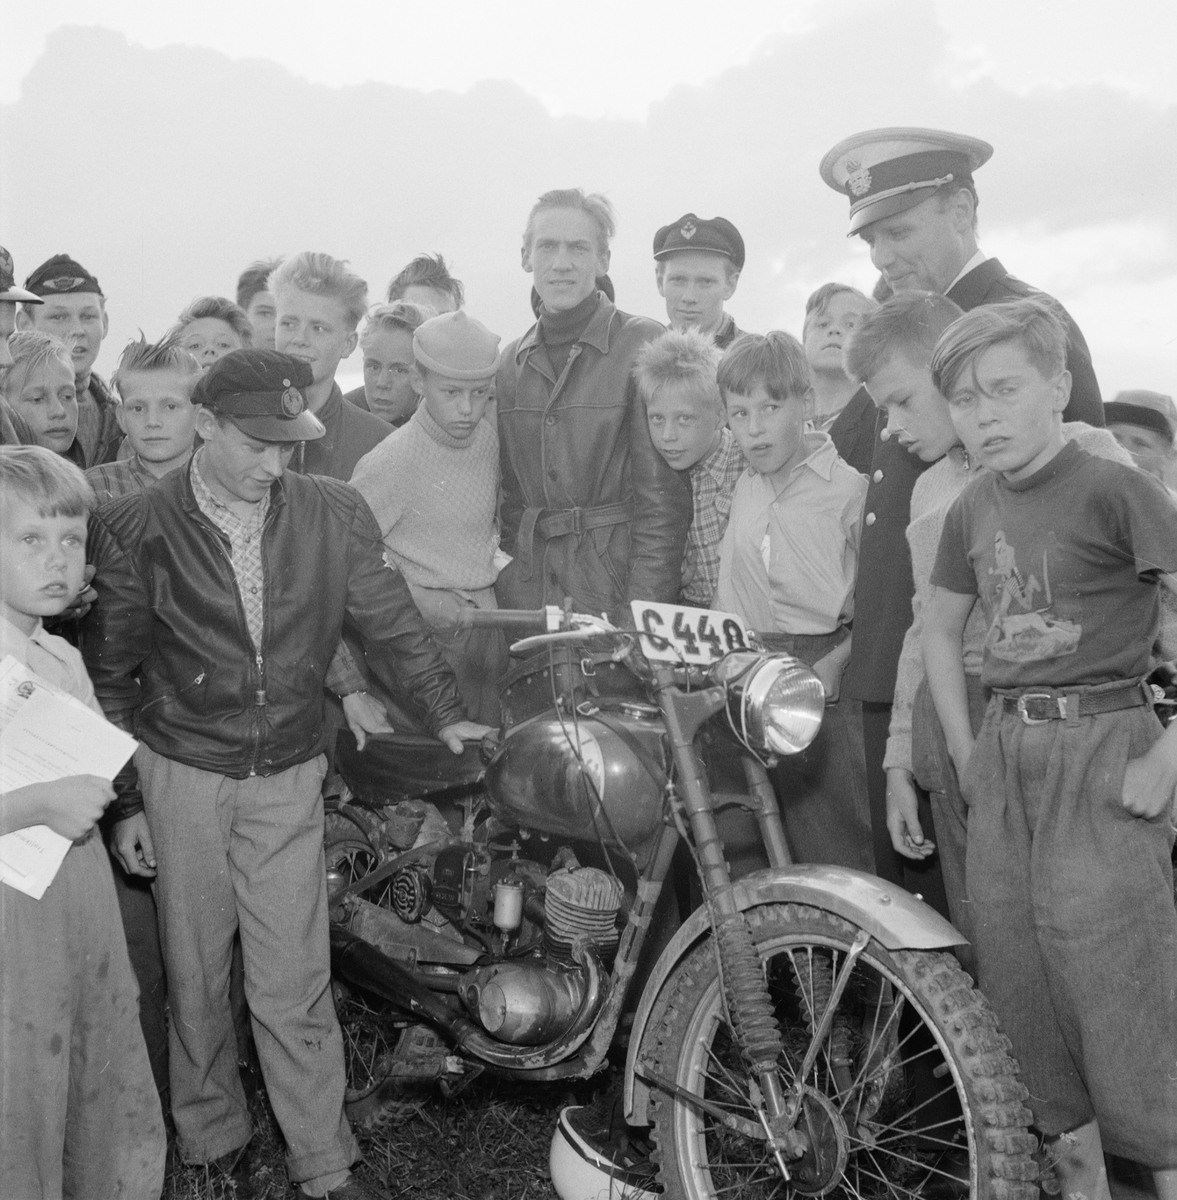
<point x="969" y="291"/>
<point x="193" y="509"/>
<point x="596" y="333"/>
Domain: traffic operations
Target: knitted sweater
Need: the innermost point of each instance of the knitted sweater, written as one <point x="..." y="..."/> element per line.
<point x="435" y="497"/>
<point x="934" y="493"/>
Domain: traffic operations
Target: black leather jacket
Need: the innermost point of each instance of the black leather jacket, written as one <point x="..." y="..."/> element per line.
<point x="169" y="651"/>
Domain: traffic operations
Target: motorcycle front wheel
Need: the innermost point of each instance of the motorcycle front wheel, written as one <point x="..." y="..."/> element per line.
<point x="912" y="1092"/>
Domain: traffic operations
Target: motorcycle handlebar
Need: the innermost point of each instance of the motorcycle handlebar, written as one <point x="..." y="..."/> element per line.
<point x="526" y="620"/>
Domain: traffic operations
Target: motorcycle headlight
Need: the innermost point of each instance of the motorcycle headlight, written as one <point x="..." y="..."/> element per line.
<point x="774" y="702"/>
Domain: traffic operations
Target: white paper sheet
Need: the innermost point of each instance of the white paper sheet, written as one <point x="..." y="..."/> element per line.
<point x="46" y="734"/>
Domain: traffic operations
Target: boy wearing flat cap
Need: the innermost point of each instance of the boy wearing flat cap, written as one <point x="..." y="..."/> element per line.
<point x="697" y="264"/>
<point x="433" y="486"/>
<point x="1144" y="423"/>
<point x="72" y="307"/>
<point x="223" y="590"/>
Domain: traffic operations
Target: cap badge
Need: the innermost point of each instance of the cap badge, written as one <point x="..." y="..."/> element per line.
<point x="292" y="402"/>
<point x="62" y="283"/>
<point x="689" y="230"/>
<point x="858" y="181"/>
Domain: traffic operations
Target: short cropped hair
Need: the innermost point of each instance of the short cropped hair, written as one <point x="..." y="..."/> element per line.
<point x="48" y="482"/>
<point x="776" y="360"/>
<point x="401" y="315"/>
<point x="31" y="348"/>
<point x="321" y="275"/>
<point x="165" y="355"/>
<point x="1035" y="325"/>
<point x="817" y="303"/>
<point x="255" y="278"/>
<point x="222" y="309"/>
<point x="679" y="360"/>
<point x="594" y="203"/>
<point x="908" y="324"/>
<point x="426" y="270"/>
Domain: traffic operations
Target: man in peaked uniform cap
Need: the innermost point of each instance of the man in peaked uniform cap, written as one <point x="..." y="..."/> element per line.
<point x="222" y="594"/>
<point x="914" y="202"/>
<point x="70" y="305"/>
<point x="697" y="264"/>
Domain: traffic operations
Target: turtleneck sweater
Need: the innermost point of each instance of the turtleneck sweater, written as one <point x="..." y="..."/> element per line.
<point x="559" y="331"/>
<point x="434" y="497"/>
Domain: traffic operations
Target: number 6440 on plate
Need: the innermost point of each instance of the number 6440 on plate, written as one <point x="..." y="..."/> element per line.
<point x="677" y="634"/>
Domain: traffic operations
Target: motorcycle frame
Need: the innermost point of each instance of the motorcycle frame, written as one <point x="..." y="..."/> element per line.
<point x="889" y="914"/>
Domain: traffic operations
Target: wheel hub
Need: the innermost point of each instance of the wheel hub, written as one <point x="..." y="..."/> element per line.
<point x="820" y="1168"/>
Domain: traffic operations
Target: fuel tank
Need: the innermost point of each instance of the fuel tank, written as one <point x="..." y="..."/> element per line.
<point x="593" y="777"/>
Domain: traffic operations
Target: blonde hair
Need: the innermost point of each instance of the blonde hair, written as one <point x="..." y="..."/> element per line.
<point x="31" y="348"/>
<point x="684" y="360"/>
<point x="321" y="275"/>
<point x="45" y="481"/>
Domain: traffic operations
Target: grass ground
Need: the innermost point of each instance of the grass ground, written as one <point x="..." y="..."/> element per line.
<point x="490" y="1142"/>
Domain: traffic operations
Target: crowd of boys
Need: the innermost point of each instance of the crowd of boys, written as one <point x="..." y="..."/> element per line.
<point x="916" y="498"/>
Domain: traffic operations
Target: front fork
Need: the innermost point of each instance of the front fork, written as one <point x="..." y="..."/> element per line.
<point x="748" y="1002"/>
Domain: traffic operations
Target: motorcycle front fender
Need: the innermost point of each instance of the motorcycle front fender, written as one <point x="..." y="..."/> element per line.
<point x="893" y="917"/>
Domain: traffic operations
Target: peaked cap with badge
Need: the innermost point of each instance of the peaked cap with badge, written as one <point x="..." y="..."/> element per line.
<point x="887" y="171"/>
<point x="62" y="276"/>
<point x="261" y="392"/>
<point x="8" y="289"/>
<point x="715" y="235"/>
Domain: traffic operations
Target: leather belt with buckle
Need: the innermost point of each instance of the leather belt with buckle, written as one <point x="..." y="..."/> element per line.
<point x="1037" y="708"/>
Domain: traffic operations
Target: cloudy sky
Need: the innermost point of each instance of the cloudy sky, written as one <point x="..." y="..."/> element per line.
<point x="1079" y="98"/>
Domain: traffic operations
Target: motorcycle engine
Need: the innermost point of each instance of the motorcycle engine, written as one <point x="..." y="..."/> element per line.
<point x="480" y="921"/>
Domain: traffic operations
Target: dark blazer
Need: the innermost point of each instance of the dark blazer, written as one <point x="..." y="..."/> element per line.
<point x="991" y="283"/>
<point x="853" y="431"/>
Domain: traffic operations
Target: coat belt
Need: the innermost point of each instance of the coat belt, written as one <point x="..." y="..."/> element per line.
<point x="556" y="522"/>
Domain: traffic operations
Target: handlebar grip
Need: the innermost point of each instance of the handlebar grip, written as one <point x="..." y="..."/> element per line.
<point x="526" y="620"/>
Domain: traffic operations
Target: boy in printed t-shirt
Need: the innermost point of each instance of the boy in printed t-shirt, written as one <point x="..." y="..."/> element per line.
<point x="676" y="377"/>
<point x="433" y="486"/>
<point x="787" y="568"/>
<point x="79" y="1114"/>
<point x="1070" y="783"/>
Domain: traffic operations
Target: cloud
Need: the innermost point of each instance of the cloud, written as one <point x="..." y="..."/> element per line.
<point x="167" y="170"/>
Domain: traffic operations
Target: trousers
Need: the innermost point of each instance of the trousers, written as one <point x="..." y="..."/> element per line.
<point x="247" y="854"/>
<point x="79" y="1113"/>
<point x="1074" y="924"/>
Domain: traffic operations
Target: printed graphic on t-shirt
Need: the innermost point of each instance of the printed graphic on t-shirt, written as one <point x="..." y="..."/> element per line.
<point x="1024" y="629"/>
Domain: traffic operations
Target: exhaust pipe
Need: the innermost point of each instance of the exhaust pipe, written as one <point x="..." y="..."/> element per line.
<point x="365" y="966"/>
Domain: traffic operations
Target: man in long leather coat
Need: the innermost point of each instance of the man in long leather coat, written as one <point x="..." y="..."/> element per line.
<point x="590" y="509"/>
<point x="222" y="594"/>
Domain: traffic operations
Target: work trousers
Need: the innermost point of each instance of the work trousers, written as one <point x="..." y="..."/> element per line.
<point x="79" y="1113"/>
<point x="1075" y="926"/>
<point x="248" y="854"/>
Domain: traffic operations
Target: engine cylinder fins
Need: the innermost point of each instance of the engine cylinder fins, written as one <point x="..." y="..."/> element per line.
<point x="410" y="893"/>
<point x="581" y="903"/>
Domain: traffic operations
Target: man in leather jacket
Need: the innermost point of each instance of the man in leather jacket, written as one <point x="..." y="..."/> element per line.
<point x="590" y="509"/>
<point x="222" y="594"/>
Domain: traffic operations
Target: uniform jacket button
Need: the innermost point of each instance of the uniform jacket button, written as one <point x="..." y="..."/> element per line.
<point x="877" y="476"/>
<point x="870" y="518"/>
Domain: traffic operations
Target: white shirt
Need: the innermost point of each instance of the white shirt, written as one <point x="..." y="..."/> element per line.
<point x="971" y="265"/>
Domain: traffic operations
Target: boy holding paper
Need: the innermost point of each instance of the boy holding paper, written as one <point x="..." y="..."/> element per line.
<point x="79" y="1113"/>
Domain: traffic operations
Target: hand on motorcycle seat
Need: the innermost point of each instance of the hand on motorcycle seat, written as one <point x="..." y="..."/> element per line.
<point x="365" y="715"/>
<point x="462" y="731"/>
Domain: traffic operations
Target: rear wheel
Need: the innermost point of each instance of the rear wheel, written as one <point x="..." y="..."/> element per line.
<point x="913" y="1092"/>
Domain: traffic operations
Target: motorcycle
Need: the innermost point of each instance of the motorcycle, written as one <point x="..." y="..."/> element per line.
<point x="805" y="1031"/>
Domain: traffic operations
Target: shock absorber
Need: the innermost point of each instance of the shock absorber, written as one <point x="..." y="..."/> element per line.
<point x="748" y="1001"/>
<point x="815" y="980"/>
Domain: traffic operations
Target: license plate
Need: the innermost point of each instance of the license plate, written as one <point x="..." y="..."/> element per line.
<point x="677" y="634"/>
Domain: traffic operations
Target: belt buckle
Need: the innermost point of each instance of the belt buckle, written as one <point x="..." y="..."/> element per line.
<point x="1060" y="703"/>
